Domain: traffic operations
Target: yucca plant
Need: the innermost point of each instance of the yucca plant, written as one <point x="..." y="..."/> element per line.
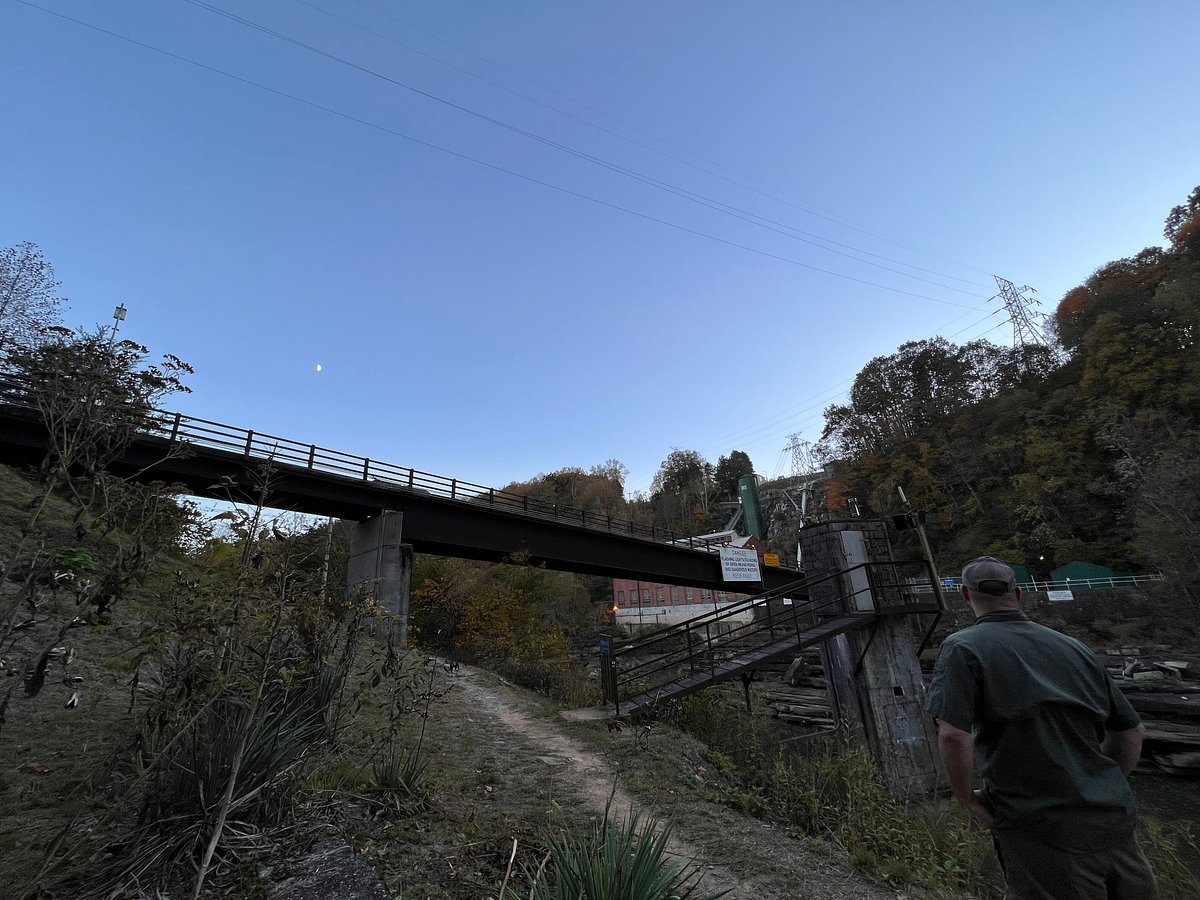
<point x="613" y="861"/>
<point x="402" y="772"/>
<point x="401" y="775"/>
<point x="284" y="728"/>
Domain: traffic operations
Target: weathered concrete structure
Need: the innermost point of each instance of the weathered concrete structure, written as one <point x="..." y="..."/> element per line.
<point x="380" y="565"/>
<point x="873" y="675"/>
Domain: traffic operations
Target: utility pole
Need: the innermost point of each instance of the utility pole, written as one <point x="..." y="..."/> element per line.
<point x="118" y="318"/>
<point x="915" y="518"/>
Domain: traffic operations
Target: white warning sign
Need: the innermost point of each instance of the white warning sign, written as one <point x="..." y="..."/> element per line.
<point x="740" y="564"/>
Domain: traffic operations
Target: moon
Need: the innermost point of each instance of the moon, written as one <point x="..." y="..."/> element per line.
<point x="318" y="367"/>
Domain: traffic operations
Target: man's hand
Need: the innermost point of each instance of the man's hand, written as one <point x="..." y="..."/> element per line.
<point x="976" y="807"/>
<point x="959" y="756"/>
<point x="1125" y="747"/>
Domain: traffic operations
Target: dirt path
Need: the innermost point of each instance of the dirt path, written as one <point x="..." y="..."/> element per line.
<point x="742" y="855"/>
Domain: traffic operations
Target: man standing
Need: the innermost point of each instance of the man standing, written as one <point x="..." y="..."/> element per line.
<point x="1057" y="741"/>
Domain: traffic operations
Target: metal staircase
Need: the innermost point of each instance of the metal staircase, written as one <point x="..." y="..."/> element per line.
<point x="743" y="664"/>
<point x="737" y="639"/>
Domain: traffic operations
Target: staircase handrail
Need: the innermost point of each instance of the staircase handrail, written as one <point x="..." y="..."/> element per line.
<point x="796" y="618"/>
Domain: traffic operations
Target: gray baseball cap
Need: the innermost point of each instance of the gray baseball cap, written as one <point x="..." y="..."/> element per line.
<point x="989" y="575"/>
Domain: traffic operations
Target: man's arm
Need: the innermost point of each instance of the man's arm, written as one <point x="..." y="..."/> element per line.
<point x="1124" y="746"/>
<point x="959" y="755"/>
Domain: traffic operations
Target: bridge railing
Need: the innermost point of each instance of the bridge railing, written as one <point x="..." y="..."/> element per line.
<point x="953" y="584"/>
<point x="177" y="428"/>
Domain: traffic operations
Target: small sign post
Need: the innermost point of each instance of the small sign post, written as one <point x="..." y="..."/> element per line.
<point x="608" y="673"/>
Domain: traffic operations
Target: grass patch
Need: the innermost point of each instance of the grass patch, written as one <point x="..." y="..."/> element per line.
<point x="564" y="684"/>
<point x="823" y="789"/>
<point x="1168" y="847"/>
<point x="344" y="776"/>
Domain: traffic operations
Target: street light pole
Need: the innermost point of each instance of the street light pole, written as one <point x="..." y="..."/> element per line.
<point x="916" y="520"/>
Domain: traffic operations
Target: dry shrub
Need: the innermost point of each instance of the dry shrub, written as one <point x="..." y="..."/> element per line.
<point x="836" y="792"/>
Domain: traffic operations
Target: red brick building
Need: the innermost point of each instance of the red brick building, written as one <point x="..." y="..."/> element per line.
<point x="629" y="593"/>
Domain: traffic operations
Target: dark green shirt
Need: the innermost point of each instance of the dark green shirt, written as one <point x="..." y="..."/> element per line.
<point x="1037" y="704"/>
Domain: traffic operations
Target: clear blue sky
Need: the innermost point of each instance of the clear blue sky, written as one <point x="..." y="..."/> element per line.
<point x="477" y="324"/>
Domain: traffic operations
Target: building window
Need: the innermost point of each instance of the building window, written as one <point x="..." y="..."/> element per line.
<point x="705" y="594"/>
<point x="646" y="594"/>
<point x="659" y="598"/>
<point x="620" y="598"/>
<point x="690" y="595"/>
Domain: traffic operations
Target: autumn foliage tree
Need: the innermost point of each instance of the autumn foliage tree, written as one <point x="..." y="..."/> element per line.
<point x="1182" y="227"/>
<point x="599" y="490"/>
<point x="1043" y="454"/>
<point x="518" y="618"/>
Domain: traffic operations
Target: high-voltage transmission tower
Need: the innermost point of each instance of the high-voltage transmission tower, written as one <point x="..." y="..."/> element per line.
<point x="1018" y="302"/>
<point x="804" y="461"/>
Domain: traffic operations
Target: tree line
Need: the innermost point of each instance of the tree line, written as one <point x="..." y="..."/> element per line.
<point x="1083" y="447"/>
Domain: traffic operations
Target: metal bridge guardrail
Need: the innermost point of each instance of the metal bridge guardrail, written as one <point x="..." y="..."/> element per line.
<point x="953" y="584"/>
<point x="1115" y="581"/>
<point x="178" y="428"/>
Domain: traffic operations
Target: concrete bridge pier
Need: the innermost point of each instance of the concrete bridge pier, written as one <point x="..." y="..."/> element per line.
<point x="873" y="675"/>
<point x="380" y="566"/>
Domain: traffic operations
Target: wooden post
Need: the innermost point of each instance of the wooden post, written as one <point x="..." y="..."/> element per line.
<point x="882" y="706"/>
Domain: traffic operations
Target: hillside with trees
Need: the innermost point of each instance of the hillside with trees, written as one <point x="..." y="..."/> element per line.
<point x="1082" y="448"/>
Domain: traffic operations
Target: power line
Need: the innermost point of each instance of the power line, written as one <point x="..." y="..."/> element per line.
<point x="700" y="199"/>
<point x="785" y="421"/>
<point x="376" y="126"/>
<point x="779" y="196"/>
<point x="819" y="397"/>
<point x="493" y="166"/>
<point x="629" y="140"/>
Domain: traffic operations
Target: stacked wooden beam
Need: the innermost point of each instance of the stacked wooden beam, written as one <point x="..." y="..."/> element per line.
<point x="1166" y="694"/>
<point x="800" y="706"/>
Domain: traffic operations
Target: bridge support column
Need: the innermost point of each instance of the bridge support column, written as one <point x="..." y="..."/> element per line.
<point x="381" y="566"/>
<point x="873" y="675"/>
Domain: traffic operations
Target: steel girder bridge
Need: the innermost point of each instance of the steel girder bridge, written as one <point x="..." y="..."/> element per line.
<point x="442" y="516"/>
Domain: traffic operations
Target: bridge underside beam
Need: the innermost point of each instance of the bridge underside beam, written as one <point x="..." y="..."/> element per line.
<point x="436" y="525"/>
